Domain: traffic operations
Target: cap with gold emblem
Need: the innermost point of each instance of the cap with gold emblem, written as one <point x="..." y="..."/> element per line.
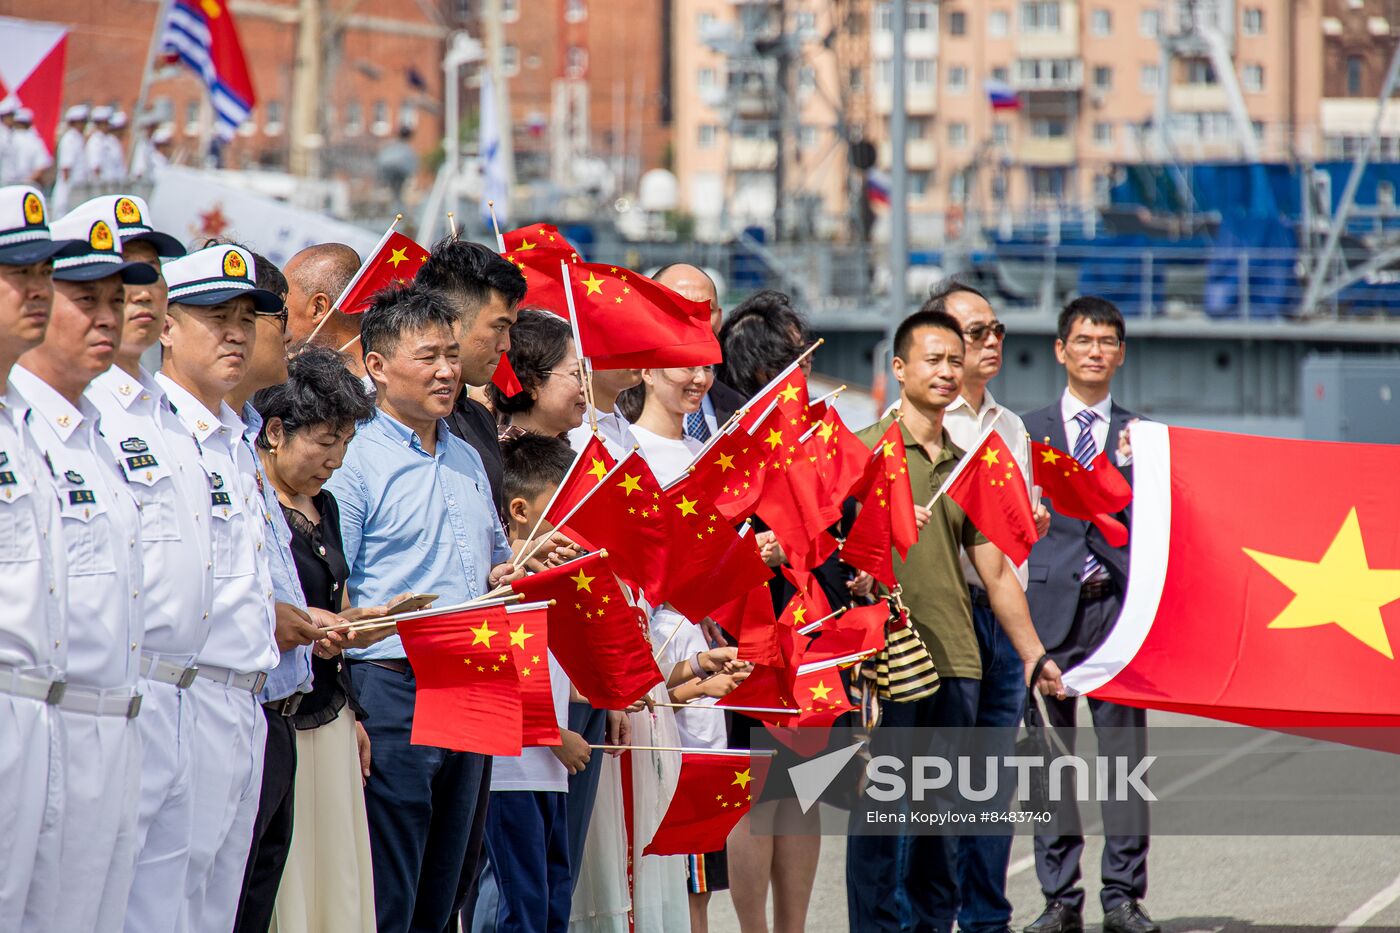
<point x="216" y="274"/>
<point x="24" y="228"/>
<point x="134" y="223"/>
<point x="95" y="225"/>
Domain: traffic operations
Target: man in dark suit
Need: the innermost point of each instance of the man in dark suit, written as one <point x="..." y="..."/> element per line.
<point x="1077" y="581"/>
<point x="721" y="402"/>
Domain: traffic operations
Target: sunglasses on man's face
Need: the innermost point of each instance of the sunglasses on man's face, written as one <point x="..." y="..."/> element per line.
<point x="978" y="332"/>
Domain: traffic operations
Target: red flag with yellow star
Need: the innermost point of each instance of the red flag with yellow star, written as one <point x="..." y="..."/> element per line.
<point x="535" y="236"/>
<point x="628" y="321"/>
<point x="395" y="261"/>
<point x="711" y="796"/>
<point x="594" y="631"/>
<point x="467" y="694"/>
<point x="731" y="471"/>
<point x="590" y="467"/>
<point x="505" y="379"/>
<point x="751" y="622"/>
<point x="822" y="698"/>
<point x="527" y="628"/>
<point x="1249" y="602"/>
<point x="630" y="515"/>
<point x="788" y="390"/>
<point x="544" y="277"/>
<point x="843" y="455"/>
<point x="858" y="630"/>
<point x="766" y="694"/>
<point x="886" y="519"/>
<point x="710" y="563"/>
<point x="1091" y="495"/>
<point x="988" y="484"/>
<point x="792" y="503"/>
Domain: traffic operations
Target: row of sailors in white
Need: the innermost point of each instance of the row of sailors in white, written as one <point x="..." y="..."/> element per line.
<point x="91" y="150"/>
<point x="24" y="157"/>
<point x="134" y="568"/>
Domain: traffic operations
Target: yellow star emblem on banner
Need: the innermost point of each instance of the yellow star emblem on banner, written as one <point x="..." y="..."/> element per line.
<point x="598" y="470"/>
<point x="517" y="637"/>
<point x="1339" y="589"/>
<point x="482" y="635"/>
<point x="583" y="581"/>
<point x="742" y="778"/>
<point x="687" y="506"/>
<point x="593" y="284"/>
<point x="991" y="457"/>
<point x="397" y="256"/>
<point x="631" y="484"/>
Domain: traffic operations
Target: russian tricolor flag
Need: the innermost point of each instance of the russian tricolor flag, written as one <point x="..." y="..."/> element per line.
<point x="1002" y="95"/>
<point x="877" y="187"/>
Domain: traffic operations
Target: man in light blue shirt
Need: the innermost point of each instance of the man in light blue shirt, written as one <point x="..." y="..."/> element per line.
<point x="416" y="514"/>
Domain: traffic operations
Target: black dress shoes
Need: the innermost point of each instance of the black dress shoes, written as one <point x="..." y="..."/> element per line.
<point x="1129" y="917"/>
<point x="1058" y="917"/>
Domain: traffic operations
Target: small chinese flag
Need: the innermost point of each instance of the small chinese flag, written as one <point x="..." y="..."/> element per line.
<point x="789" y="392"/>
<point x="711" y="796"/>
<point x="395" y="261"/>
<point x="843" y="456"/>
<point x="711" y="563"/>
<point x="821" y="696"/>
<point x="886" y="519"/>
<point x="1091" y="495"/>
<point x="527" y="628"/>
<point x="989" y="486"/>
<point x="628" y="321"/>
<point x="769" y="687"/>
<point x="731" y="472"/>
<point x="858" y="630"/>
<point x="505" y="379"/>
<point x="792" y="503"/>
<point x="589" y="469"/>
<point x="630" y="515"/>
<point x="750" y="621"/>
<point x="467" y="696"/>
<point x="535" y="236"/>
<point x="544" y="277"/>
<point x="594" y="631"/>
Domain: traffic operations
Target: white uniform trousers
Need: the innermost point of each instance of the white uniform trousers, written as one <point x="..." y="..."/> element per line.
<point x="31" y="773"/>
<point x="102" y="758"/>
<point x="228" y="762"/>
<point x="165" y="815"/>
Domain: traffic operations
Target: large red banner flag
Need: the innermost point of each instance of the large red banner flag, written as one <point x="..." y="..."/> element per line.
<point x="467" y="690"/>
<point x="711" y="796"/>
<point x="991" y="489"/>
<point x="395" y="261"/>
<point x="1249" y="602"/>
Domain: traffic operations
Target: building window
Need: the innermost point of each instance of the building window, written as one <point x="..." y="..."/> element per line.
<point x="510" y="10"/>
<point x="510" y="60"/>
<point x="707" y="134"/>
<point x="918" y="127"/>
<point x="1103" y="77"/>
<point x="1040" y="16"/>
<point x="922" y="71"/>
<point x="884" y="17"/>
<point x="918" y="183"/>
<point x="706" y="79"/>
<point x="1048" y="128"/>
<point x="1103" y="135"/>
<point x="957" y="187"/>
<point x="884" y="72"/>
<point x="957" y="134"/>
<point x="1252" y="76"/>
<point x="855" y="79"/>
<point x="921" y="17"/>
<point x="1101" y="22"/>
<point x="354" y="118"/>
<point x="999" y="73"/>
<point x="575" y="11"/>
<point x="805" y="23"/>
<point x="1150" y="23"/>
<point x="408" y="114"/>
<point x="1252" y="21"/>
<point x="1200" y="71"/>
<point x="704" y="23"/>
<point x="1001" y="134"/>
<point x="998" y="24"/>
<point x="806" y="79"/>
<point x="379" y="125"/>
<point x="957" y="79"/>
<point x="192" y="118"/>
<point x="1353" y="75"/>
<point x="957" y="23"/>
<point x="1150" y="77"/>
<point x="272" y="118"/>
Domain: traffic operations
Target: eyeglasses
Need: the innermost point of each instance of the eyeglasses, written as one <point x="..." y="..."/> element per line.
<point x="282" y="317"/>
<point x="576" y="375"/>
<point x="1083" y="344"/>
<point x="978" y="332"/>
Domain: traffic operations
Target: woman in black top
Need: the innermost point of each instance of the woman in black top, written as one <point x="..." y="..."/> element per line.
<point x="308" y="422"/>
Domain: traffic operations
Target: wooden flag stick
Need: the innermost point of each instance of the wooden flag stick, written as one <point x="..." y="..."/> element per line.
<point x="500" y="240"/>
<point x="764" y="752"/>
<point x="667" y="643"/>
<point x="832" y="394"/>
<point x="382" y="621"/>
<point x="331" y="310"/>
<point x="811" y="625"/>
<point x="349" y="343"/>
<point x="791" y="368"/>
<point x="733" y="709"/>
<point x="452" y="224"/>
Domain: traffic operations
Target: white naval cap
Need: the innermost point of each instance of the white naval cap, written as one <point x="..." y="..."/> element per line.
<point x="94" y="224"/>
<point x="216" y="274"/>
<point x="134" y="223"/>
<point x="117" y="121"/>
<point x="101" y="113"/>
<point x="24" y="115"/>
<point x="8" y="106"/>
<point x="24" y="230"/>
<point x="77" y="113"/>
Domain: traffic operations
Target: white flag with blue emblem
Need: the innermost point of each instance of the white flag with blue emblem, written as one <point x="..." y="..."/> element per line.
<point x="495" y="172"/>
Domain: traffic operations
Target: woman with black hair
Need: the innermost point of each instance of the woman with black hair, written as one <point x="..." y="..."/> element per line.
<point x="307" y="423"/>
<point x="544" y="358"/>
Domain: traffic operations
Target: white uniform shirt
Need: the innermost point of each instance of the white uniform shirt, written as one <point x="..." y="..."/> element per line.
<point x="165" y="473"/>
<point x="113" y="159"/>
<point x="72" y="158"/>
<point x="613" y="428"/>
<point x="30" y="155"/>
<point x="7" y="161"/>
<point x="95" y="151"/>
<point x="102" y="532"/>
<point x="666" y="456"/>
<point x="33" y="558"/>
<point x="965" y="427"/>
<point x="243" y="624"/>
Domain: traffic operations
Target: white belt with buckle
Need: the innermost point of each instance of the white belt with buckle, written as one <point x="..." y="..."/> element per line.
<point x="99" y="701"/>
<point x="31" y="686"/>
<point x="253" y="683"/>
<point x="167" y="672"/>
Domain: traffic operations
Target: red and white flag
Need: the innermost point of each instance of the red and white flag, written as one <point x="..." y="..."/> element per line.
<point x="31" y="70"/>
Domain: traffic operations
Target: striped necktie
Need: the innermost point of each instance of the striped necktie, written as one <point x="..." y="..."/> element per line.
<point x="1085" y="450"/>
<point x="697" y="427"/>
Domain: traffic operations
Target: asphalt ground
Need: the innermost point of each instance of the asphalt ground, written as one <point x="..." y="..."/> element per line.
<point x="1221" y="884"/>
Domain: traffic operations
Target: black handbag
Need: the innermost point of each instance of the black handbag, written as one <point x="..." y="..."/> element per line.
<point x="1040" y="741"/>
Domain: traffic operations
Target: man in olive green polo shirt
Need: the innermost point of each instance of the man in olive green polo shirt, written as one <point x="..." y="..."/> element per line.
<point x="928" y="354"/>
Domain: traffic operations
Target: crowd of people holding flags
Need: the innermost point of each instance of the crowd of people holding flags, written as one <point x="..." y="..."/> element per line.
<point x="452" y="585"/>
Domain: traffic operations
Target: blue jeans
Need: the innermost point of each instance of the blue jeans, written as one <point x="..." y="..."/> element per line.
<point x="420" y="801"/>
<point x="1001" y="702"/>
<point x="896" y="883"/>
<point x="527" y="838"/>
